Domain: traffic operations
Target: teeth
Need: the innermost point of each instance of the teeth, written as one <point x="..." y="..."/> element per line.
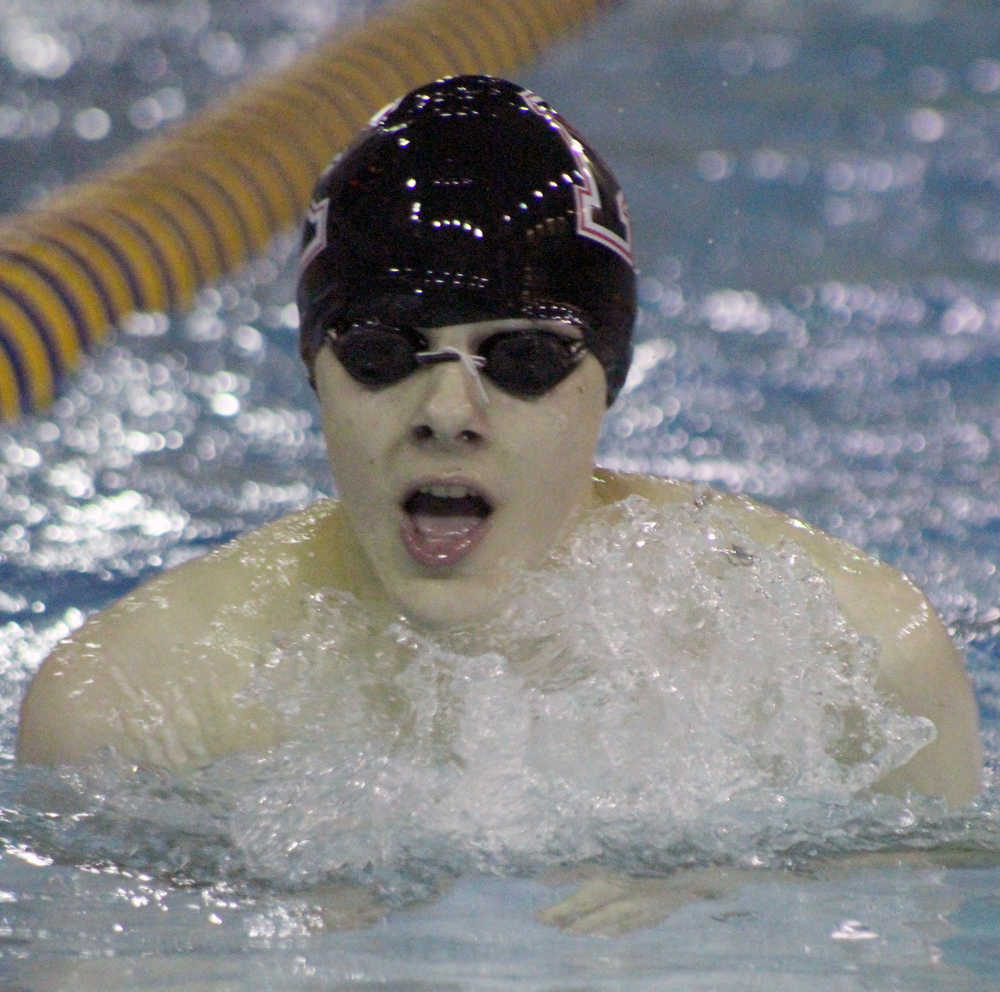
<point x="448" y="491"/>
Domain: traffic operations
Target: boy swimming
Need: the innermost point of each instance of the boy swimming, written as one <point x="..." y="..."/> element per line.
<point x="466" y="295"/>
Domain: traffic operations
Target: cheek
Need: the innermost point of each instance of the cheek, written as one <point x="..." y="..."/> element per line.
<point x="558" y="447"/>
<point x="350" y="414"/>
<point x="353" y="452"/>
<point x="577" y="421"/>
<point x="352" y="445"/>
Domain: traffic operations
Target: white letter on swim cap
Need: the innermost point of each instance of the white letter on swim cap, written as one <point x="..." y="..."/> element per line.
<point x="317" y="217"/>
<point x="588" y="197"/>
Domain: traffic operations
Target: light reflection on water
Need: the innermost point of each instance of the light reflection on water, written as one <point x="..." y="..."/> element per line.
<point x="815" y="194"/>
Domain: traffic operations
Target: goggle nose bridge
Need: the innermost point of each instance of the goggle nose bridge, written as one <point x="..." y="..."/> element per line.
<point x="470" y="363"/>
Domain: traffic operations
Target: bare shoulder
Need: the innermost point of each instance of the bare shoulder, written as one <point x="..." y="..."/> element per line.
<point x="155" y="674"/>
<point x="918" y="663"/>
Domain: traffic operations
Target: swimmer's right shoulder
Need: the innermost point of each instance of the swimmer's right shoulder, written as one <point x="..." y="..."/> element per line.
<point x="157" y="675"/>
<point x="265" y="569"/>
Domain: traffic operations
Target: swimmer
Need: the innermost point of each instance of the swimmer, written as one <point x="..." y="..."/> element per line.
<point x="467" y="294"/>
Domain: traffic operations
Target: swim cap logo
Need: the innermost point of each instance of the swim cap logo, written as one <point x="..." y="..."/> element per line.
<point x="314" y="235"/>
<point x="588" y="196"/>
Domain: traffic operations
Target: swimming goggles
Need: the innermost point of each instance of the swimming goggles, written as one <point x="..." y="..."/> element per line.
<point x="523" y="362"/>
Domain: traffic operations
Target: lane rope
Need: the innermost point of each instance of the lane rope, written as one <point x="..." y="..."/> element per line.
<point x="179" y="211"/>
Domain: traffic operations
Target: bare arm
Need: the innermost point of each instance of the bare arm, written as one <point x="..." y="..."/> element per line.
<point x="919" y="667"/>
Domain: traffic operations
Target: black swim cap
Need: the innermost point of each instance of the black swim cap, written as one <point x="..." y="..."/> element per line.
<point x="470" y="199"/>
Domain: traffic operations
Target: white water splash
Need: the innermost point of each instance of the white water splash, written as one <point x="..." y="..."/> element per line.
<point x="654" y="693"/>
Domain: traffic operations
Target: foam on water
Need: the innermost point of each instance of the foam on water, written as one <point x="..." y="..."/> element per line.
<point x="657" y="696"/>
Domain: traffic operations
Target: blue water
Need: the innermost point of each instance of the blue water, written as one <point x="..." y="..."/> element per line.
<point x="815" y="190"/>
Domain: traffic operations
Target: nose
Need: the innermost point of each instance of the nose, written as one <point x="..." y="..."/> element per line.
<point x="452" y="406"/>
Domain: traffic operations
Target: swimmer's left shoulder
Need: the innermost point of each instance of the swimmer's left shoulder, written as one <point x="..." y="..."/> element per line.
<point x="610" y="486"/>
<point x="876" y="598"/>
<point x="918" y="664"/>
<point x="841" y="562"/>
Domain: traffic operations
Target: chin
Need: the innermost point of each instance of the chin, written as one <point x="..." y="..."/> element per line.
<point x="443" y="603"/>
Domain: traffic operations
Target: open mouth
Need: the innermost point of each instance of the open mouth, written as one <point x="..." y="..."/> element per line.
<point x="444" y="522"/>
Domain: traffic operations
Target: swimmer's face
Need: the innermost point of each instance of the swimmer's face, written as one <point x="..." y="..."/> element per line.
<point x="453" y="485"/>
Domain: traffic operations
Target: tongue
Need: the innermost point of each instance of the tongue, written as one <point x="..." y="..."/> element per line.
<point x="438" y="527"/>
<point x="441" y="538"/>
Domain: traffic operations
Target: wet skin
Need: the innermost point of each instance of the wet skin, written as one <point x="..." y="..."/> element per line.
<point x="161" y="675"/>
<point x="518" y="472"/>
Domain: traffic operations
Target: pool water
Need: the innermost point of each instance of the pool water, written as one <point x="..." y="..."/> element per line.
<point x="814" y="189"/>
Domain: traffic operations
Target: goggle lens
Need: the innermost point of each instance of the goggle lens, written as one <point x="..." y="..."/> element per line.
<point x="523" y="362"/>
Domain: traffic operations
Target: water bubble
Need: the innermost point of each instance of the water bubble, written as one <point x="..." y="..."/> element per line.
<point x="248" y="338"/>
<point x="146" y="113"/>
<point x="92" y="124"/>
<point x="768" y="164"/>
<point x="926" y="124"/>
<point x="222" y="53"/>
<point x="714" y="165"/>
<point x="225" y="405"/>
<point x="776" y="51"/>
<point x="39" y="53"/>
<point x="173" y="104"/>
